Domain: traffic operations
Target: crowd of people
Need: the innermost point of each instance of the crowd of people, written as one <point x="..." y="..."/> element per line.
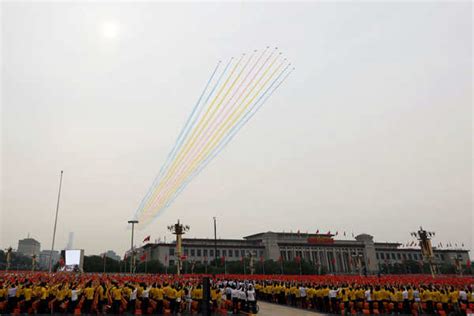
<point x="71" y="293"/>
<point x="368" y="299"/>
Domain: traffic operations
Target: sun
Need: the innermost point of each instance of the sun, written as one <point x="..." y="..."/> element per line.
<point x="110" y="29"/>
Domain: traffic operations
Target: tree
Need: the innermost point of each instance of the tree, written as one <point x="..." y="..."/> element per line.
<point x="151" y="266"/>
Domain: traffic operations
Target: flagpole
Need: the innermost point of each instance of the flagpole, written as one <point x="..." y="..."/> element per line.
<point x="132" y="259"/>
<point x="215" y="241"/>
<point x="55" y="223"/>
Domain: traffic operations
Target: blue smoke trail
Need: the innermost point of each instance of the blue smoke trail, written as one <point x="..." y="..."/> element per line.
<point x="178" y="141"/>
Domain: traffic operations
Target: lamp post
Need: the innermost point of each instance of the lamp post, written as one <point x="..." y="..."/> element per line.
<point x="55" y="223"/>
<point x="457" y="263"/>
<point x="179" y="230"/>
<point x="357" y="258"/>
<point x="215" y="242"/>
<point x="251" y="262"/>
<point x="424" y="238"/>
<point x="33" y="263"/>
<point x="132" y="259"/>
<point x="9" y="258"/>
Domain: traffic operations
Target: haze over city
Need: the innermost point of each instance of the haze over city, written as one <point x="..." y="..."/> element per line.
<point x="372" y="133"/>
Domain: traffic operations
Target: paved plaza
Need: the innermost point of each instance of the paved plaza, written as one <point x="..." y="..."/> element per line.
<point x="267" y="309"/>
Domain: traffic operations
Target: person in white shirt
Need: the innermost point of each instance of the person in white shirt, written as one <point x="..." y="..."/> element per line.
<point x="463" y="296"/>
<point x="406" y="303"/>
<point x="133" y="299"/>
<point x="302" y="290"/>
<point x="145" y="298"/>
<point x="333" y="300"/>
<point x="251" y="299"/>
<point x="368" y="298"/>
<point x="12" y="300"/>
<point x="235" y="300"/>
<point x="416" y="295"/>
<point x="74" y="300"/>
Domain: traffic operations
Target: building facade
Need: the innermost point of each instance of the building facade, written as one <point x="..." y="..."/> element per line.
<point x="29" y="247"/>
<point x="335" y="256"/>
<point x="44" y="258"/>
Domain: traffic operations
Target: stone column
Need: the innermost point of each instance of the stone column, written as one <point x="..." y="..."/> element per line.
<point x="369" y="252"/>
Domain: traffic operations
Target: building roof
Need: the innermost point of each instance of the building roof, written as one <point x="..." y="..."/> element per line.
<point x="290" y="234"/>
<point x="29" y="240"/>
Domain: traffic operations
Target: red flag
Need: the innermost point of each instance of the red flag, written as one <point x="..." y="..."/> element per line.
<point x="223" y="259"/>
<point x="298" y="259"/>
<point x="147" y="238"/>
<point x="468" y="263"/>
<point x="143" y="257"/>
<point x="280" y="258"/>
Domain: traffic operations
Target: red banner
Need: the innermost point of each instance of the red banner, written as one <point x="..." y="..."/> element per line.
<point x="320" y="240"/>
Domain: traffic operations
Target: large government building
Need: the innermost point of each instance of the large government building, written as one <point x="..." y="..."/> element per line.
<point x="336" y="256"/>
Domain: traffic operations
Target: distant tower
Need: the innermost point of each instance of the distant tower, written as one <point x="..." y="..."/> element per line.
<point x="70" y="241"/>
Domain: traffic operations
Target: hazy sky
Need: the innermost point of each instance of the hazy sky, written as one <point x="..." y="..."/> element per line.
<point x="372" y="132"/>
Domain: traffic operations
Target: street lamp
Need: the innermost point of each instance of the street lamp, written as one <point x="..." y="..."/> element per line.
<point x="357" y="258"/>
<point x="55" y="223"/>
<point x="179" y="230"/>
<point x="457" y="262"/>
<point x="424" y="238"/>
<point x="33" y="263"/>
<point x="9" y="257"/>
<point x="132" y="259"/>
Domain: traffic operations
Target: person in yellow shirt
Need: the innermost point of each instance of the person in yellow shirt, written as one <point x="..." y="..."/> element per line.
<point x="159" y="296"/>
<point x="310" y="292"/>
<point x="293" y="298"/>
<point x="454" y="297"/>
<point x="60" y="294"/>
<point x="3" y="294"/>
<point x="214" y="296"/>
<point x="116" y="296"/>
<point x="179" y="298"/>
<point x="28" y="294"/>
<point x="326" y="305"/>
<point x="43" y="295"/>
<point x="89" y="297"/>
<point x="444" y="299"/>
<point x="172" y="294"/>
<point x="344" y="296"/>
<point x="197" y="296"/>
